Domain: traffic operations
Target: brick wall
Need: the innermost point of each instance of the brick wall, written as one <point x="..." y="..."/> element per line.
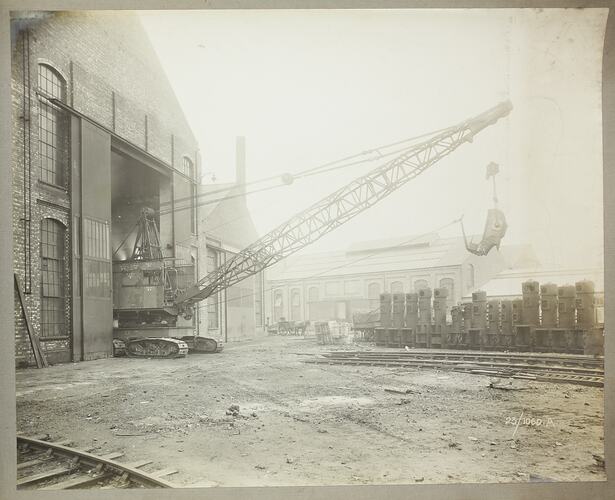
<point x="113" y="76"/>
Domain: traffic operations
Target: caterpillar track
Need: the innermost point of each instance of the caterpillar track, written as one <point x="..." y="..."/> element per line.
<point x="203" y="345"/>
<point x="166" y="347"/>
<point x="156" y="347"/>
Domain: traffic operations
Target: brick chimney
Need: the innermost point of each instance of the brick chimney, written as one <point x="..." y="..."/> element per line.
<point x="240" y="162"/>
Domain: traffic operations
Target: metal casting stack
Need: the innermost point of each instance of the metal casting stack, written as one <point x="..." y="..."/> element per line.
<point x="547" y="318"/>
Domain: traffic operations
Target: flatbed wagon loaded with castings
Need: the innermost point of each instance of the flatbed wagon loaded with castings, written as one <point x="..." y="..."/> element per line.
<point x="547" y="318"/>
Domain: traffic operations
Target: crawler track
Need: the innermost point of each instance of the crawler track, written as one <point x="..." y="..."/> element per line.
<point x="583" y="370"/>
<point x="56" y="466"/>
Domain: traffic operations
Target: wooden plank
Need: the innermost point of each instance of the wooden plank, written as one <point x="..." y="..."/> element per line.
<point x="30" y="463"/>
<point x="121" y="486"/>
<point x="78" y="482"/>
<point x="203" y="483"/>
<point x="164" y="472"/>
<point x="41" y="437"/>
<point x="113" y="456"/>
<point x="42" y="476"/>
<point x="37" y="343"/>
<point x="64" y="442"/>
<point x="39" y="356"/>
<point x="138" y="464"/>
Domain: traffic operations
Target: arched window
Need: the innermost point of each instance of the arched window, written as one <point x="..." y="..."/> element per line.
<point x="295" y="305"/>
<point x="470" y="276"/>
<point x="373" y="291"/>
<point x="53" y="133"/>
<point x="373" y="296"/>
<point x="313" y="294"/>
<point x="278" y="305"/>
<point x="397" y="287"/>
<point x="420" y="285"/>
<point x="449" y="284"/>
<point x="188" y="167"/>
<point x="53" y="301"/>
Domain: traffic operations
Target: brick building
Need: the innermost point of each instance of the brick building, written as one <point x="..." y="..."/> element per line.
<point x="98" y="134"/>
<point x="335" y="285"/>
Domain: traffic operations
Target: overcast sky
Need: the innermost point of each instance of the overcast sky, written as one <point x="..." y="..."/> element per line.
<point x="308" y="87"/>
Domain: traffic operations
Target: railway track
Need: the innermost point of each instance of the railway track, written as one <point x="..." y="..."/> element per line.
<point x="531" y="358"/>
<point x="48" y="465"/>
<point x="582" y="370"/>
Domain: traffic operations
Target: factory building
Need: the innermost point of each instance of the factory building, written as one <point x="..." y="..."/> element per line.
<point x="507" y="285"/>
<point x="225" y="228"/>
<point x="336" y="285"/>
<point x="98" y="135"/>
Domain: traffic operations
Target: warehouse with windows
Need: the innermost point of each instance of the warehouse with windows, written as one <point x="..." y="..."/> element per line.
<point x="335" y="285"/>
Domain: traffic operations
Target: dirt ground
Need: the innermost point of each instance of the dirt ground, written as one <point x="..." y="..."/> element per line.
<point x="303" y="424"/>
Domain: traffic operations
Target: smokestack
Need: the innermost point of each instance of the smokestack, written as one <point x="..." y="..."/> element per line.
<point x="240" y="162"/>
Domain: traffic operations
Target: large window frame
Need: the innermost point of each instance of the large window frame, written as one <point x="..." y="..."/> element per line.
<point x="449" y="284"/>
<point x="96" y="259"/>
<point x="278" y="305"/>
<point x="420" y="284"/>
<point x="53" y="279"/>
<point x="295" y="304"/>
<point x="52" y="127"/>
<point x="470" y="276"/>
<point x="373" y="295"/>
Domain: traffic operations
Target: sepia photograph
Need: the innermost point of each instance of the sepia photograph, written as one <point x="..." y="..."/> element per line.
<point x="306" y="247"/>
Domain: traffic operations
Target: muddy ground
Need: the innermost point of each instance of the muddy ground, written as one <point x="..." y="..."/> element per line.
<point x="302" y="424"/>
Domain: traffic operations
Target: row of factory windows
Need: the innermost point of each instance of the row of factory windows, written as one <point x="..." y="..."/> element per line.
<point x="373" y="293"/>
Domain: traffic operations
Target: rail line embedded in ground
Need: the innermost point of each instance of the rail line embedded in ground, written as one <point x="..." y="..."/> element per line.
<point x="56" y="466"/>
<point x="580" y="370"/>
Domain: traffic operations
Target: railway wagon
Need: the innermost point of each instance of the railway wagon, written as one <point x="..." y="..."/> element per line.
<point x="547" y="318"/>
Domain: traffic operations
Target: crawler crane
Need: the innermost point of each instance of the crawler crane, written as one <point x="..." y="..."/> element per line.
<point x="296" y="233"/>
